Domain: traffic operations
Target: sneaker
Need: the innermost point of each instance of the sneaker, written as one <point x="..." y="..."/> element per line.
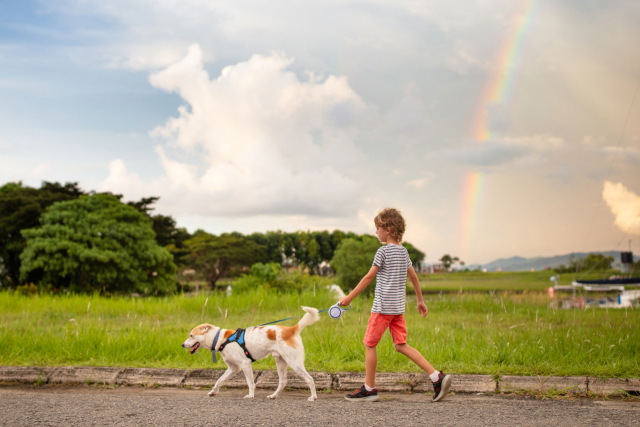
<point x="363" y="395"/>
<point x="441" y="387"/>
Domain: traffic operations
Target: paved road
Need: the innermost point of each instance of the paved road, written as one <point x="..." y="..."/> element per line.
<point x="134" y="406"/>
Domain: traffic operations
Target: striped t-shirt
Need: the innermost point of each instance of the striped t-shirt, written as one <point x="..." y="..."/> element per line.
<point x="393" y="262"/>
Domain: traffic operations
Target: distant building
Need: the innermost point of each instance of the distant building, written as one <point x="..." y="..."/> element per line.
<point x="437" y="267"/>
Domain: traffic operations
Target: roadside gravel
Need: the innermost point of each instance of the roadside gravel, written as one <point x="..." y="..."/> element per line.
<point x="137" y="406"/>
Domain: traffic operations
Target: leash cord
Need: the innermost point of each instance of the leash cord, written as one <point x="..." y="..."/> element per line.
<point x="289" y="318"/>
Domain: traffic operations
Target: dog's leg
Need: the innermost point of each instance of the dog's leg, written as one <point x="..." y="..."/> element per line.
<point x="299" y="369"/>
<point x="248" y="373"/>
<point x="282" y="377"/>
<point x="233" y="369"/>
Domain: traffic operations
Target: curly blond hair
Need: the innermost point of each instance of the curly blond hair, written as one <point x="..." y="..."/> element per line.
<point x="392" y="219"/>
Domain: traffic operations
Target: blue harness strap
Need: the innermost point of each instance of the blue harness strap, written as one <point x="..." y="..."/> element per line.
<point x="213" y="346"/>
<point x="238" y="337"/>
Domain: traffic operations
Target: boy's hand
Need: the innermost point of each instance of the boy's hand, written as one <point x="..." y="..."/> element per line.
<point x="345" y="301"/>
<point x="422" y="308"/>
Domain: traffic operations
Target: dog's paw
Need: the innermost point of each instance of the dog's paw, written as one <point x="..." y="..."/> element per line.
<point x="212" y="393"/>
<point x="248" y="396"/>
<point x="312" y="398"/>
<point x="272" y="396"/>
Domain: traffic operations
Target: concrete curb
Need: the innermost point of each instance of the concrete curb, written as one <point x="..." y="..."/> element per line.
<point x="343" y="381"/>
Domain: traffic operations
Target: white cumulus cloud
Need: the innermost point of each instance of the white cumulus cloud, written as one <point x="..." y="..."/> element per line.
<point x="255" y="140"/>
<point x="624" y="204"/>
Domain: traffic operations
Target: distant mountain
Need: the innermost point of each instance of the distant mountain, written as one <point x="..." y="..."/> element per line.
<point x="518" y="263"/>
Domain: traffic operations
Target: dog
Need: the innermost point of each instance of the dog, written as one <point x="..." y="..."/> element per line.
<point x="283" y="342"/>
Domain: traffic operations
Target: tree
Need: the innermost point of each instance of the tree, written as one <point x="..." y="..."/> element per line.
<point x="448" y="261"/>
<point x="96" y="243"/>
<point x="273" y="244"/>
<point x="215" y="256"/>
<point x="352" y="261"/>
<point x="415" y="255"/>
<point x="20" y="208"/>
<point x="165" y="227"/>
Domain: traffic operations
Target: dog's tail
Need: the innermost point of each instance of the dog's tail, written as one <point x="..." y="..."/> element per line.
<point x="309" y="318"/>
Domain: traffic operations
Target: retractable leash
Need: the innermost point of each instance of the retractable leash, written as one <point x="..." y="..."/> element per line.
<point x="335" y="312"/>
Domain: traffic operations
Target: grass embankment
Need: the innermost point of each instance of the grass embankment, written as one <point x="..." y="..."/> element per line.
<point x="503" y="281"/>
<point x="463" y="333"/>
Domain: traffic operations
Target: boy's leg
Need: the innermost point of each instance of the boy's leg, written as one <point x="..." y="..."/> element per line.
<point x="375" y="328"/>
<point x="398" y="330"/>
<point x="370" y="363"/>
<point x="441" y="382"/>
<point x="416" y="356"/>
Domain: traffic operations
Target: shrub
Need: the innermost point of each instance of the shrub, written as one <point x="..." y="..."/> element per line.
<point x="265" y="276"/>
<point x="268" y="272"/>
<point x="353" y="260"/>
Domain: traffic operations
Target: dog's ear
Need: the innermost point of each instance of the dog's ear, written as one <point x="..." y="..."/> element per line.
<point x="204" y="328"/>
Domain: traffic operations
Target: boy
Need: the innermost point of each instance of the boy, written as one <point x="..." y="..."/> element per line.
<point x="390" y="267"/>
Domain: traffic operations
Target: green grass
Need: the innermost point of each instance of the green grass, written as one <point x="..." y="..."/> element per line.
<point x="503" y="281"/>
<point x="479" y="333"/>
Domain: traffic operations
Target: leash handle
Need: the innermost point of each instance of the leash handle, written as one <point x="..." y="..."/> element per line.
<point x="335" y="311"/>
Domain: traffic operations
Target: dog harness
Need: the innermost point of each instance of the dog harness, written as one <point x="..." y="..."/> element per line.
<point x="237" y="337"/>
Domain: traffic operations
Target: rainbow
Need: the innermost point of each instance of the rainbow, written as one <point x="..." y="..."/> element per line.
<point x="473" y="186"/>
<point x="498" y="90"/>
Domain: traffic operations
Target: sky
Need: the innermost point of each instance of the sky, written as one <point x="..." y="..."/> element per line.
<point x="498" y="128"/>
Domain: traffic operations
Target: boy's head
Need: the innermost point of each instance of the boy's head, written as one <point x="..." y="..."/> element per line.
<point x="391" y="220"/>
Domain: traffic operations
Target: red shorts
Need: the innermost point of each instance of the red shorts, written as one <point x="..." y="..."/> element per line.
<point x="378" y="323"/>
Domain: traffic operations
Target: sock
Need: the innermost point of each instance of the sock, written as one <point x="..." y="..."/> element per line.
<point x="435" y="376"/>
<point x="367" y="387"/>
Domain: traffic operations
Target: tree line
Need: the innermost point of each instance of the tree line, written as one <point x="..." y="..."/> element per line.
<point x="59" y="237"/>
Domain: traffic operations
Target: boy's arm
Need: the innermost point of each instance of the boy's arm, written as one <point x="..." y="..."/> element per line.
<point x="422" y="308"/>
<point x="366" y="281"/>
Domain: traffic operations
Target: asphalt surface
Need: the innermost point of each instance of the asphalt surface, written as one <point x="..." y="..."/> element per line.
<point x="136" y="406"/>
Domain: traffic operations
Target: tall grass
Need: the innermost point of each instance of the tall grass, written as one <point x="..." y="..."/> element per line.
<point x="463" y="333"/>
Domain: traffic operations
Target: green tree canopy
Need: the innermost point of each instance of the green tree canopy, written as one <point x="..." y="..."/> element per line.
<point x="94" y="243"/>
<point x="352" y="260"/>
<point x="20" y="208"/>
<point x="215" y="256"/>
<point x="167" y="232"/>
<point x="415" y="255"/>
<point x="447" y="260"/>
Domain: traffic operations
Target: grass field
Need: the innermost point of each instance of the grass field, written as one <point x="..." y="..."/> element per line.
<point x="504" y="333"/>
<point x="503" y="281"/>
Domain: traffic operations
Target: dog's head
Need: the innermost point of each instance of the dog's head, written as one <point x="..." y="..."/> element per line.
<point x="198" y="336"/>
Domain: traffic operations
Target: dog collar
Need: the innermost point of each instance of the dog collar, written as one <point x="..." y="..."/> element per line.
<point x="213" y="346"/>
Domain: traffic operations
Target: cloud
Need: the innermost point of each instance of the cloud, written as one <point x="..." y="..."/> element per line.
<point x="253" y="141"/>
<point x="119" y="180"/>
<point x="40" y="170"/>
<point x="504" y="150"/>
<point x="406" y="122"/>
<point x="625" y="205"/>
<point x="627" y="154"/>
<point x="418" y="183"/>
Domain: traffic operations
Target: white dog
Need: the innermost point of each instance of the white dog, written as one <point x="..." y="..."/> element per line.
<point x="282" y="342"/>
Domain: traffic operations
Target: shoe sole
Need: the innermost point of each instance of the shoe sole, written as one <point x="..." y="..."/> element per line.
<point x="367" y="399"/>
<point x="446" y="384"/>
